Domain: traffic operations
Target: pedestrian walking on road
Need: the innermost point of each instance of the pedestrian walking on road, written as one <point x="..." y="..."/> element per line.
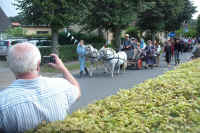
<point x="168" y="52"/>
<point x="177" y="50"/>
<point x="158" y="51"/>
<point x="81" y="51"/>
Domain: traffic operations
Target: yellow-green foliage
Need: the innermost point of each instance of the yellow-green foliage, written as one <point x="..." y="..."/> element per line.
<point x="167" y="104"/>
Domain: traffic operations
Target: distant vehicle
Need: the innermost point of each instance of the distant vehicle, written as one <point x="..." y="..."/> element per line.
<point x="41" y="43"/>
<point x="6" y="44"/>
<point x="34" y="42"/>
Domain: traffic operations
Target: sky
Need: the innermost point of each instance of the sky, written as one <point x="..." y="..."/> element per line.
<point x="10" y="9"/>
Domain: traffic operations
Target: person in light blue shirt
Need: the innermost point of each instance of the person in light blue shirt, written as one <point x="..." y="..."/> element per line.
<point x="142" y="44"/>
<point x="31" y="98"/>
<point x="81" y="51"/>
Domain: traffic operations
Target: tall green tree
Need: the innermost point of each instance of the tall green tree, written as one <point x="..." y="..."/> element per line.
<point x="198" y="26"/>
<point x="113" y="15"/>
<point x="164" y="15"/>
<point x="177" y="12"/>
<point x="151" y="18"/>
<point x="55" y="13"/>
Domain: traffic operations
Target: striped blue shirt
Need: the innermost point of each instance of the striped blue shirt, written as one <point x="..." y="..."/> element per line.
<point x="26" y="103"/>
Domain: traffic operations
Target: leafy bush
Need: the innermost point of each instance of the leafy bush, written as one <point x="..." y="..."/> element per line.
<point x="68" y="53"/>
<point x="167" y="104"/>
<point x="16" y="32"/>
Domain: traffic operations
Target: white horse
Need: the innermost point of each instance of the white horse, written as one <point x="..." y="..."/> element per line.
<point x="93" y="55"/>
<point x="112" y="60"/>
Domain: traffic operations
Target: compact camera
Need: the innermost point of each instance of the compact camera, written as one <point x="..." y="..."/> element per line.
<point x="48" y="59"/>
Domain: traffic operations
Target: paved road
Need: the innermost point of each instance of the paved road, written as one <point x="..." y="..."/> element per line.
<point x="101" y="85"/>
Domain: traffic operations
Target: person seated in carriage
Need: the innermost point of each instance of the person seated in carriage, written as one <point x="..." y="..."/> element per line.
<point x="142" y="44"/>
<point x="137" y="51"/>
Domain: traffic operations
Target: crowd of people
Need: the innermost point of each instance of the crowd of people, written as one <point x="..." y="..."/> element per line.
<point x="150" y="51"/>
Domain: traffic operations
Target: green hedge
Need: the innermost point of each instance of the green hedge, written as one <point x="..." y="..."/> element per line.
<point x="167" y="104"/>
<point x="66" y="53"/>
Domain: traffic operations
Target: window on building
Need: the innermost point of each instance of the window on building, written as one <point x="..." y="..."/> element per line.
<point x="42" y="32"/>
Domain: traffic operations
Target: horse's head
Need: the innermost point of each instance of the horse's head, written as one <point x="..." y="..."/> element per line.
<point x="88" y="49"/>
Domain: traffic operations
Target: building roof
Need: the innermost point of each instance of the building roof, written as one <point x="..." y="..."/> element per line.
<point x="15" y="24"/>
<point x="4" y="21"/>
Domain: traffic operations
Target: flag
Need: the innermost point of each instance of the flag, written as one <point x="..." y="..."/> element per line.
<point x="75" y="41"/>
<point x="65" y="30"/>
<point x="68" y="34"/>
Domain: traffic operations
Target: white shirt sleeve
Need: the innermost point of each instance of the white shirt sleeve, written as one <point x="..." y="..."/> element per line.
<point x="71" y="91"/>
<point x="63" y="85"/>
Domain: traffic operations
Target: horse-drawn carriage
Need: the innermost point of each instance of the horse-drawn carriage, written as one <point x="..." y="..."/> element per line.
<point x="135" y="58"/>
<point x="111" y="59"/>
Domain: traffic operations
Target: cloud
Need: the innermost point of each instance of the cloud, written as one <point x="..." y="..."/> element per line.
<point x="197" y="4"/>
<point x="8" y="7"/>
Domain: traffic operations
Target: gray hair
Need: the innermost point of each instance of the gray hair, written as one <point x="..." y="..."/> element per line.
<point x="23" y="58"/>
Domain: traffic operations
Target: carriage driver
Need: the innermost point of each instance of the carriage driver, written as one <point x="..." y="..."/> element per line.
<point x="126" y="43"/>
<point x="127" y="46"/>
<point x="81" y="51"/>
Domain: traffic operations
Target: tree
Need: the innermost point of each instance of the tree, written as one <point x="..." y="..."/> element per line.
<point x="113" y="15"/>
<point x="198" y="25"/>
<point x="55" y="13"/>
<point x="151" y="18"/>
<point x="176" y="15"/>
<point x="168" y="15"/>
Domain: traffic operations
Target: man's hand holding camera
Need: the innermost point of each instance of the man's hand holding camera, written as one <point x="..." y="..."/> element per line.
<point x="59" y="65"/>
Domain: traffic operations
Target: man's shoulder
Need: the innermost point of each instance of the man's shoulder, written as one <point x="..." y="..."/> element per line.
<point x="22" y="91"/>
<point x="53" y="80"/>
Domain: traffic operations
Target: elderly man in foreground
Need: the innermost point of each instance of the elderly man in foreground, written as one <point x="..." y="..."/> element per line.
<point x="31" y="98"/>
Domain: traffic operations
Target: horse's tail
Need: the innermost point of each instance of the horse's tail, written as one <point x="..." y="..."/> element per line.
<point x="124" y="65"/>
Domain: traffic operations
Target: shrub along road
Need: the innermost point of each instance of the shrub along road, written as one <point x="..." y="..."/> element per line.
<point x="102" y="85"/>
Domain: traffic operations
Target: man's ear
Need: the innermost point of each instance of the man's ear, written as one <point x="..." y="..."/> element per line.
<point x="38" y="66"/>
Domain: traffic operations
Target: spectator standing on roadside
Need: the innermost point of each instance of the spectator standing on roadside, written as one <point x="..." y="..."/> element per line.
<point x="172" y="43"/>
<point x="168" y="52"/>
<point x="158" y="50"/>
<point x="82" y="57"/>
<point x="177" y="50"/>
<point x="182" y="45"/>
<point x="31" y="98"/>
